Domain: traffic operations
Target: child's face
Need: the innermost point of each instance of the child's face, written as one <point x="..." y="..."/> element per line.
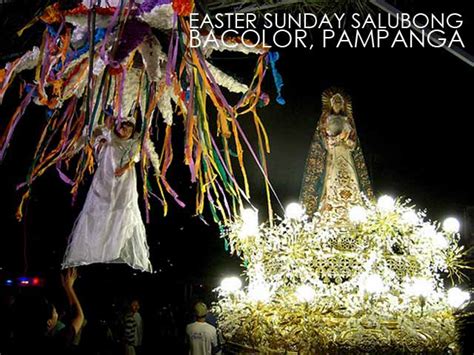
<point x="53" y="320"/>
<point x="135" y="306"/>
<point x="125" y="130"/>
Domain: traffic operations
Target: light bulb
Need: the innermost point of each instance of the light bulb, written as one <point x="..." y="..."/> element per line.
<point x="385" y="204"/>
<point x="373" y="283"/>
<point x="457" y="298"/>
<point x="451" y="225"/>
<point x="231" y="284"/>
<point x="421" y="287"/>
<point x="305" y="293"/>
<point x="294" y="211"/>
<point x="259" y="292"/>
<point x="249" y="216"/>
<point x="249" y="222"/>
<point x="357" y="214"/>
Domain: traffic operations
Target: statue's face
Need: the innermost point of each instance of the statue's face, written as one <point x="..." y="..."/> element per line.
<point x="337" y="103"/>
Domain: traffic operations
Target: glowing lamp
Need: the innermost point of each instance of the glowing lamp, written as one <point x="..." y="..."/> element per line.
<point x="385" y="204"/>
<point x="457" y="298"/>
<point x="231" y="284"/>
<point x="305" y="293"/>
<point x="294" y="211"/>
<point x="421" y="287"/>
<point x="357" y="214"/>
<point x="250" y="222"/>
<point x="373" y="284"/>
<point x="451" y="225"/>
<point x="259" y="293"/>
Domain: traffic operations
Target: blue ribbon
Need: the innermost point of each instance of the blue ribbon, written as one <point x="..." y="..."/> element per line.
<point x="273" y="58"/>
<point x="99" y="36"/>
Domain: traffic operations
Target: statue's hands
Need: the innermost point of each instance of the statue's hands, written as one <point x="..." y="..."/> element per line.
<point x="344" y="136"/>
<point x="333" y="141"/>
<point x="100" y="145"/>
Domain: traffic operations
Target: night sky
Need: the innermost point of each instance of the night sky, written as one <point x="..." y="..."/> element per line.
<point x="414" y="116"/>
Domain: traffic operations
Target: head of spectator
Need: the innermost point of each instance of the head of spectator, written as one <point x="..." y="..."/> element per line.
<point x="48" y="316"/>
<point x="134" y="306"/>
<point x="200" y="311"/>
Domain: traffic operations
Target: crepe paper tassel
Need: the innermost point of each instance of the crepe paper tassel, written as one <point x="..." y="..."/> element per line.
<point x="167" y="157"/>
<point x="264" y="173"/>
<point x="113" y="21"/>
<point x="190" y="81"/>
<point x="43" y="160"/>
<point x="183" y="7"/>
<point x="273" y="58"/>
<point x="172" y="53"/>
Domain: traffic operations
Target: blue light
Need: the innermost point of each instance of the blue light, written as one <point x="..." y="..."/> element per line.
<point x="8" y="282"/>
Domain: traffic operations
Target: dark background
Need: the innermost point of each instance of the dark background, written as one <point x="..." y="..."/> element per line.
<point x="412" y="108"/>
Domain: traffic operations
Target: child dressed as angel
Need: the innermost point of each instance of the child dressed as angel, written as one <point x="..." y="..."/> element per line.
<point x="110" y="228"/>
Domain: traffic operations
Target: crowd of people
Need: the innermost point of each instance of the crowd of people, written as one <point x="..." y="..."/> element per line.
<point x="32" y="324"/>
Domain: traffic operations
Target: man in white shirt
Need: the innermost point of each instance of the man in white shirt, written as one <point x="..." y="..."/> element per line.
<point x="201" y="336"/>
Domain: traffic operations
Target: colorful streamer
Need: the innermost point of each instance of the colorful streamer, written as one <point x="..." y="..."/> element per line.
<point x="126" y="73"/>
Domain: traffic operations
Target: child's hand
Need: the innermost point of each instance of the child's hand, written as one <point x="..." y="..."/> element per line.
<point x="120" y="171"/>
<point x="109" y="122"/>
<point x="97" y="132"/>
<point x="69" y="277"/>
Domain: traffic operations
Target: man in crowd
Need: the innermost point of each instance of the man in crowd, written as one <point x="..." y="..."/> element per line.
<point x="201" y="336"/>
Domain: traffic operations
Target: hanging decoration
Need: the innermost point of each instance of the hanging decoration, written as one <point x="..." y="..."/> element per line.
<point x="96" y="60"/>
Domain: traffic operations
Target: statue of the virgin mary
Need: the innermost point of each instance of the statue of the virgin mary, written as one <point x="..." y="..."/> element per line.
<point x="335" y="176"/>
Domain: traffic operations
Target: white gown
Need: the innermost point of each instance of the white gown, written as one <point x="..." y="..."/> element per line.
<point x="110" y="228"/>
